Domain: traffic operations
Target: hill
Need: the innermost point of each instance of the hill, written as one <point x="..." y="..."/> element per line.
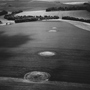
<point x="27" y="5"/>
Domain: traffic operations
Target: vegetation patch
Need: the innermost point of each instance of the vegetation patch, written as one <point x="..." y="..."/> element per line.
<point x="76" y="19"/>
<point x="0" y="22"/>
<point x="3" y="12"/>
<point x="19" y="19"/>
<point x="85" y="6"/>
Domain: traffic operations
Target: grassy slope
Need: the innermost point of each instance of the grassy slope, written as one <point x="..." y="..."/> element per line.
<point x="28" y="5"/>
<point x="71" y="64"/>
<point x="60" y="86"/>
<point x="40" y="5"/>
<point x="77" y="14"/>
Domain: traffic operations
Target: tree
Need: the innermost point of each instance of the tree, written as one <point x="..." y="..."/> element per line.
<point x="3" y="12"/>
<point x="0" y="22"/>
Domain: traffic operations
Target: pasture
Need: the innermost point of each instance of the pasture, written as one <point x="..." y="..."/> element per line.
<point x="21" y="43"/>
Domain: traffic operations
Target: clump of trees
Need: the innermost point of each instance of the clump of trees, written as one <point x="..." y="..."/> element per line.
<point x="85" y="6"/>
<point x="19" y="19"/>
<point x="16" y="12"/>
<point x="12" y="15"/>
<point x="25" y="19"/>
<point x="9" y="17"/>
<point x="3" y="12"/>
<point x="0" y="22"/>
<point x="76" y="19"/>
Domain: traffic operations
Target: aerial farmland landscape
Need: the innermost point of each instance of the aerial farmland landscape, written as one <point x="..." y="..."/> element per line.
<point x="44" y="45"/>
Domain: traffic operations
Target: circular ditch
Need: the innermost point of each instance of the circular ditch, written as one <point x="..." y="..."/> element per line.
<point x="37" y="76"/>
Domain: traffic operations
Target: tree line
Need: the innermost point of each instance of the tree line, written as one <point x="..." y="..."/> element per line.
<point x="3" y="12"/>
<point x="88" y="6"/>
<point x="85" y="6"/>
<point x="16" y="12"/>
<point x="76" y="19"/>
<point x="24" y="18"/>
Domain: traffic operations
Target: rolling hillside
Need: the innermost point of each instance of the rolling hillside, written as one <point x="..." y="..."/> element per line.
<point x="26" y="5"/>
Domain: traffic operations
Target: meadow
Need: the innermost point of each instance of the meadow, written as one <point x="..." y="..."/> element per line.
<point x="20" y="45"/>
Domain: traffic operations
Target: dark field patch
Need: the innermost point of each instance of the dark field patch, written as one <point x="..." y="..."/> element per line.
<point x="67" y="65"/>
<point x="12" y="41"/>
<point x="71" y="45"/>
<point x="4" y="55"/>
<point x="26" y="5"/>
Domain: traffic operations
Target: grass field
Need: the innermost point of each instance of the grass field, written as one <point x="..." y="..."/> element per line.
<point x="21" y="43"/>
<point x="31" y="4"/>
<point x="27" y="5"/>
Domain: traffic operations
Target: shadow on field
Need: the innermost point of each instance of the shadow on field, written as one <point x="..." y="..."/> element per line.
<point x="4" y="55"/>
<point x="7" y="42"/>
<point x="5" y="87"/>
<point x="12" y="41"/>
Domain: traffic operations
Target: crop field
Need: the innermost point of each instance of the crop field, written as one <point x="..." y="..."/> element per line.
<point x="66" y="49"/>
<point x="79" y="13"/>
<point x="21" y="43"/>
<point x="26" y="5"/>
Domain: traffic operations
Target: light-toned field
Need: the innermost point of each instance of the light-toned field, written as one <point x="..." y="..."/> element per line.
<point x="79" y="13"/>
<point x="73" y="3"/>
<point x="82" y="25"/>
